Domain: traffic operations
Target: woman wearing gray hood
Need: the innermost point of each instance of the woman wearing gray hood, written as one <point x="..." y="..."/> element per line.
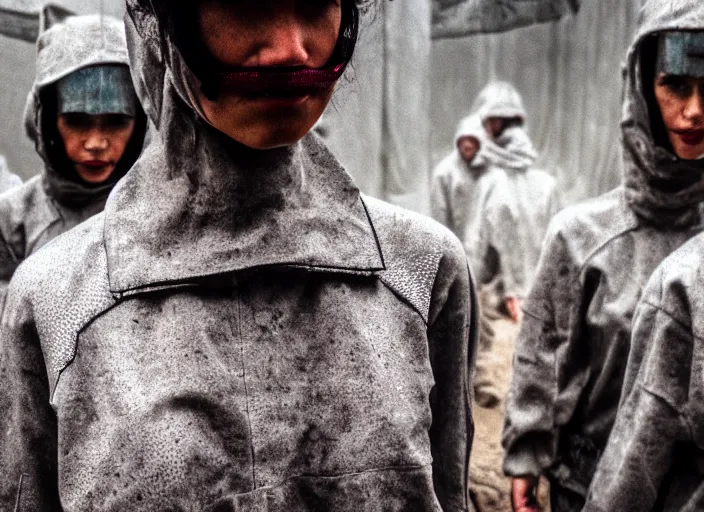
<point x="570" y="361"/>
<point x="240" y="329"/>
<point x="512" y="224"/>
<point x="87" y="125"/>
<point x="654" y="457"/>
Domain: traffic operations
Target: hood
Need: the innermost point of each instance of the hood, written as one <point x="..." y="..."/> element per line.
<point x="660" y="188"/>
<point x="499" y="99"/>
<point x="196" y="203"/>
<point x="471" y="126"/>
<point x="66" y="44"/>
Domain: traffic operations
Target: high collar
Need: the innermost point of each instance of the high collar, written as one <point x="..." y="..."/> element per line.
<point x="197" y="204"/>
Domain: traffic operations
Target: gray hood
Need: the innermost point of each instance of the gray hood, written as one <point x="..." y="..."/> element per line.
<point x="471" y="126"/>
<point x="66" y="44"/>
<point x="660" y="187"/>
<point x="197" y="203"/>
<point x="513" y="149"/>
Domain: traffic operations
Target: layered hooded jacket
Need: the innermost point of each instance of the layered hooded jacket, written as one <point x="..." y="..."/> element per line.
<point x="238" y="330"/>
<point x="572" y="350"/>
<point x="460" y="189"/>
<point x="510" y="228"/>
<point x="56" y="199"/>
<point x="8" y="180"/>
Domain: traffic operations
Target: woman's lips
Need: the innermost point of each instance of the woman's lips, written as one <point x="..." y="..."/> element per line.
<point x="691" y="137"/>
<point x="95" y="164"/>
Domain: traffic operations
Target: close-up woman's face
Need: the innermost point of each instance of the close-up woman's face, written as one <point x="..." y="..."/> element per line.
<point x="269" y="34"/>
<point x="95" y="143"/>
<point x="681" y="102"/>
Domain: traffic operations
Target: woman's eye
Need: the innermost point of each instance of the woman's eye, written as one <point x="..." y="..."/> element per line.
<point x="116" y="121"/>
<point x="77" y="121"/>
<point x="679" y="86"/>
<point x="314" y="8"/>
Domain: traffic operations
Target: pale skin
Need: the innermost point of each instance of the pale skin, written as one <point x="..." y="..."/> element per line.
<point x="95" y="143"/>
<point x="681" y="103"/>
<point x="268" y="33"/>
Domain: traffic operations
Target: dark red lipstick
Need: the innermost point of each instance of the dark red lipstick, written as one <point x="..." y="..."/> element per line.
<point x="95" y="164"/>
<point x="691" y="137"/>
<point x="281" y="81"/>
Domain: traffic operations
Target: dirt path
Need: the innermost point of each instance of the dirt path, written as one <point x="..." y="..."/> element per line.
<point x="486" y="477"/>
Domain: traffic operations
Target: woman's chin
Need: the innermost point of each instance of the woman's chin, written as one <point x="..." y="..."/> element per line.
<point x="95" y="177"/>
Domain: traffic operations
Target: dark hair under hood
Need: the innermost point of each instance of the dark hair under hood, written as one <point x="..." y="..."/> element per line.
<point x="66" y="44"/>
<point x="660" y="187"/>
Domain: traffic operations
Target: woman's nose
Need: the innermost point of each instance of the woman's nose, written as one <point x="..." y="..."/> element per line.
<point x="95" y="141"/>
<point x="694" y="109"/>
<point x="285" y="43"/>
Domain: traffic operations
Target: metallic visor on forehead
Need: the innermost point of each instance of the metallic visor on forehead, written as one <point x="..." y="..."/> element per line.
<point x="105" y="89"/>
<point x="681" y="53"/>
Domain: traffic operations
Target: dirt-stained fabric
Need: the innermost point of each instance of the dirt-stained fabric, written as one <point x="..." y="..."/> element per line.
<point x="239" y="330"/>
<point x="654" y="457"/>
<point x="458" y="18"/>
<point x="57" y="199"/>
<point x="571" y="355"/>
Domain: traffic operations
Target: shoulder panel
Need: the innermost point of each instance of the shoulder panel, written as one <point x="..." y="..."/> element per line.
<point x="413" y="246"/>
<point x="66" y="285"/>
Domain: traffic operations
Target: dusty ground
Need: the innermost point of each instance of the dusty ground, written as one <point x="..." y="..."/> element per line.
<point x="487" y="481"/>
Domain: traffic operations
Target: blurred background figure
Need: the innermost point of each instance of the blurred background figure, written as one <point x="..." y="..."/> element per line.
<point x="7" y="179"/>
<point x="504" y="250"/>
<point x="463" y="184"/>
<point x="87" y="126"/>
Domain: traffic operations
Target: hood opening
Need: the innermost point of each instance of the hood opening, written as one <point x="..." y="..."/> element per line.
<point x="647" y="54"/>
<point x="177" y="24"/>
<point x="57" y="160"/>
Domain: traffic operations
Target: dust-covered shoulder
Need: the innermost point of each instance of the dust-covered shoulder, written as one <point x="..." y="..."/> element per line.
<point x="677" y="286"/>
<point x="586" y="227"/>
<point x="415" y="249"/>
<point x="57" y="274"/>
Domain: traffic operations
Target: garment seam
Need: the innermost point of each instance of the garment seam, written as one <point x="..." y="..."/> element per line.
<point x="404" y="300"/>
<point x="603" y="246"/>
<point x="246" y="391"/>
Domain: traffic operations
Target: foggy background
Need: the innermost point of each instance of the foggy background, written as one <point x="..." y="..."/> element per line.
<point x="568" y="72"/>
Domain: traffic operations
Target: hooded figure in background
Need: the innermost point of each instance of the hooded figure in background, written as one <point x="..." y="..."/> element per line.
<point x="505" y="245"/>
<point x="464" y="183"/>
<point x="86" y="123"/>
<point x="572" y="351"/>
<point x="654" y="459"/>
<point x="8" y="180"/>
<point x="240" y="328"/>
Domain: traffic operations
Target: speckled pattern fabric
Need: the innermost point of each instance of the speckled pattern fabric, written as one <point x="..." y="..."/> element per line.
<point x="239" y="330"/>
<point x="653" y="460"/>
<point x="571" y="354"/>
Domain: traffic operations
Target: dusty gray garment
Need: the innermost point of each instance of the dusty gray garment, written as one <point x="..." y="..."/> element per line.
<point x="458" y="190"/>
<point x="55" y="201"/>
<point x="239" y="330"/>
<point x="457" y="18"/>
<point x="572" y="350"/>
<point x="8" y="180"/>
<point x="654" y="458"/>
<point x="509" y="230"/>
